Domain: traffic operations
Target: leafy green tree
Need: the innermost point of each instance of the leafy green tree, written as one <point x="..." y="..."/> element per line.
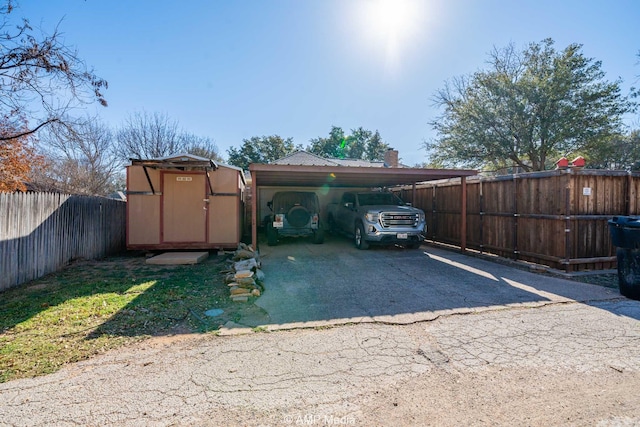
<point x="527" y="109"/>
<point x="331" y="147"/>
<point x="621" y="152"/>
<point x="260" y="149"/>
<point x="356" y="143"/>
<point x="376" y="147"/>
<point x="361" y="144"/>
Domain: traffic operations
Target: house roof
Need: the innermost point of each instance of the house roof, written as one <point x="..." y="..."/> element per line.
<point x="305" y="158"/>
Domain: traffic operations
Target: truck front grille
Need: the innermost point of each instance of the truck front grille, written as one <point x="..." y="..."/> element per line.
<point x="388" y="219"/>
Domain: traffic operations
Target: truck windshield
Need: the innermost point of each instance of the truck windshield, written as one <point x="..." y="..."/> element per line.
<point x="370" y="199"/>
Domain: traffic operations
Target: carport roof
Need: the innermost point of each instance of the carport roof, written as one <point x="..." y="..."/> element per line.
<point x="346" y="176"/>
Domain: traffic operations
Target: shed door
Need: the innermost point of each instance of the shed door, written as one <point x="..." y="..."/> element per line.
<point x="184" y="212"/>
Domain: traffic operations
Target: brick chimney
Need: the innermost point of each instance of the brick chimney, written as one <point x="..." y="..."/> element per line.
<point x="391" y="158"/>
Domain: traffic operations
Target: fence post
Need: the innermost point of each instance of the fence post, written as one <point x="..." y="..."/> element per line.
<point x="481" y="209"/>
<point x="463" y="214"/>
<point x="515" y="216"/>
<point x="567" y="213"/>
<point x="627" y="201"/>
<point x="434" y="212"/>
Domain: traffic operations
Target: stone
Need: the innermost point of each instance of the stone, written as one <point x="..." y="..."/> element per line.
<point x="238" y="298"/>
<point x="244" y="247"/>
<point x="243" y="294"/>
<point x="245" y="281"/>
<point x="237" y="291"/>
<point x="243" y="274"/>
<point x="248" y="285"/>
<point x="255" y="293"/>
<point x="243" y="254"/>
<point x="247" y="264"/>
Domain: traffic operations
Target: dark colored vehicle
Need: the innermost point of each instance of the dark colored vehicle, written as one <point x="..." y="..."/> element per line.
<point x="294" y="214"/>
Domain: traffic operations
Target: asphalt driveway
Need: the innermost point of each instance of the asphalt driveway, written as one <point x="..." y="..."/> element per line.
<point x="525" y="353"/>
<point x="335" y="283"/>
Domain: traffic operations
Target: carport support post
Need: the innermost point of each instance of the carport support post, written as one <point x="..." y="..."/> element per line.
<point x="463" y="214"/>
<point x="254" y="210"/>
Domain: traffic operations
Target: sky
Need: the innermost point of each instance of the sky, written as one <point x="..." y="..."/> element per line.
<point x="231" y="70"/>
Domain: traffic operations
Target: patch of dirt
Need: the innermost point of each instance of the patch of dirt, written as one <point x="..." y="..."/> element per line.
<point x="496" y="396"/>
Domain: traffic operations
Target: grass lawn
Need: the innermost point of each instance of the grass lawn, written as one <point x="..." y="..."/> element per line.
<point x="94" y="306"/>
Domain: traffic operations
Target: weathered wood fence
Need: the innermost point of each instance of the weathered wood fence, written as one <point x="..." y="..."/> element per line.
<point x="556" y="218"/>
<point x="40" y="232"/>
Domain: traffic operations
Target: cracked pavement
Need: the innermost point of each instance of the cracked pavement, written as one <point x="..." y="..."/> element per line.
<point x="558" y="360"/>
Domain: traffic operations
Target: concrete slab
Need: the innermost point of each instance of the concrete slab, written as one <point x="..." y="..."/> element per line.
<point x="175" y="258"/>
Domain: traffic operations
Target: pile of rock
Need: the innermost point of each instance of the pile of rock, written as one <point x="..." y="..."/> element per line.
<point x="244" y="277"/>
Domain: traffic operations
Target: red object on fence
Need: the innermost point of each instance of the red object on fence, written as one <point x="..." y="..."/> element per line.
<point x="578" y="162"/>
<point x="563" y="163"/>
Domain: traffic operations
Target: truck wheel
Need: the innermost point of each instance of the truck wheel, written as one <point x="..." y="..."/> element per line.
<point x="318" y="236"/>
<point x="272" y="235"/>
<point x="332" y="225"/>
<point x="361" y="243"/>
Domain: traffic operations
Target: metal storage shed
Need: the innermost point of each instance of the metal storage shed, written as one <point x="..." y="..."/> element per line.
<point x="184" y="202"/>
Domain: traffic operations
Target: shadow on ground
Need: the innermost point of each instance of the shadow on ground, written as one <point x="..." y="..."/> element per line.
<point x="337" y="283"/>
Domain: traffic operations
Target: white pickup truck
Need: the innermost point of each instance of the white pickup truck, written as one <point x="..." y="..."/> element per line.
<point x="377" y="218"/>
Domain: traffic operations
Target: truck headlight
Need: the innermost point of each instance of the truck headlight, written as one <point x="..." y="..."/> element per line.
<point x="422" y="218"/>
<point x="371" y="216"/>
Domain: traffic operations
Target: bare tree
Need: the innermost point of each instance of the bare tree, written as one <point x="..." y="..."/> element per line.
<point x="202" y="146"/>
<point x="80" y="160"/>
<point x="41" y="79"/>
<point x="149" y="136"/>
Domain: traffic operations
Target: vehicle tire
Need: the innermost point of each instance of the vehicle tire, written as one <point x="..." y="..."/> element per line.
<point x="318" y="236"/>
<point x="629" y="272"/>
<point x="272" y="235"/>
<point x="298" y="216"/>
<point x="359" y="239"/>
<point x="332" y="225"/>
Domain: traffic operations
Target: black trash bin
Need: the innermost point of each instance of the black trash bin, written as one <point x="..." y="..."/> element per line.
<point x="625" y="234"/>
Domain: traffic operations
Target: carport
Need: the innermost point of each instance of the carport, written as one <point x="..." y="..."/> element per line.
<point x="277" y="175"/>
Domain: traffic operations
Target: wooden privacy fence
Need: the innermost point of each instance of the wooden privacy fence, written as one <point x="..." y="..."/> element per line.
<point x="41" y="232"/>
<point x="555" y="218"/>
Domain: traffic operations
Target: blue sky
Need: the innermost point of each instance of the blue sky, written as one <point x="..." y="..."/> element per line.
<point x="231" y="70"/>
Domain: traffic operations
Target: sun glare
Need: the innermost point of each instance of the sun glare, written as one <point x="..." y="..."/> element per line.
<point x="391" y="17"/>
<point x="390" y="26"/>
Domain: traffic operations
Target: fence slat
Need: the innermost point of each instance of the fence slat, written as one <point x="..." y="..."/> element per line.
<point x="555" y="218"/>
<point x="41" y="232"/>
